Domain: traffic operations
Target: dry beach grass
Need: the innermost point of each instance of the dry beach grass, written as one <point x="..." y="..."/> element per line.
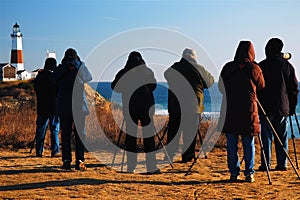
<point x="24" y="176"/>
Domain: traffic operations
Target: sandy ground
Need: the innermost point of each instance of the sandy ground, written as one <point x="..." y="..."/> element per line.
<point x="23" y="176"/>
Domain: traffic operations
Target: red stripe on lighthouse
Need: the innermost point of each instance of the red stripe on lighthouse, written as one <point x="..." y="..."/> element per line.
<point x="16" y="56"/>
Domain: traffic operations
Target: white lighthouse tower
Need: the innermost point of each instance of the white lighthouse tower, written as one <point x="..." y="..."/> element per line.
<point x="16" y="58"/>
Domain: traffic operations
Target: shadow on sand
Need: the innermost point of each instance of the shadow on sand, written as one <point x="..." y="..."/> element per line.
<point x="91" y="181"/>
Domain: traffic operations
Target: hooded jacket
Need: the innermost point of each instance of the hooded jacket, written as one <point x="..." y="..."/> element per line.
<point x="279" y="97"/>
<point x="136" y="83"/>
<point x="196" y="76"/>
<point x="239" y="80"/>
<point x="70" y="77"/>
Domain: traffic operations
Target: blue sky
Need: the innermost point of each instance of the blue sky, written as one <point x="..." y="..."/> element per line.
<point x="216" y="25"/>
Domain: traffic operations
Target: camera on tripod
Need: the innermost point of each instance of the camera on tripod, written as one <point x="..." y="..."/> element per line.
<point x="286" y="56"/>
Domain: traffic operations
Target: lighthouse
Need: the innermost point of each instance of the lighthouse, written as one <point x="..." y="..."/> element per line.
<point x="16" y="58"/>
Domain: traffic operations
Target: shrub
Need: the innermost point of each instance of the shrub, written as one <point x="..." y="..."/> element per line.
<point x="18" y="116"/>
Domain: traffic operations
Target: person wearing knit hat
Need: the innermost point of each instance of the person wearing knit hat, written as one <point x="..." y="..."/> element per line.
<point x="184" y="116"/>
<point x="189" y="55"/>
<point x="273" y="47"/>
<point x="279" y="100"/>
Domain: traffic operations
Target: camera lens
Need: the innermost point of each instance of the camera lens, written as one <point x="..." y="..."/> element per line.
<point x="286" y="56"/>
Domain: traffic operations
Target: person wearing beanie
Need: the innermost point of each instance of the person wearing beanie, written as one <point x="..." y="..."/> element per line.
<point x="239" y="82"/>
<point x="46" y="93"/>
<point x="279" y="100"/>
<point x="70" y="76"/>
<point x="189" y="55"/>
<point x="185" y="107"/>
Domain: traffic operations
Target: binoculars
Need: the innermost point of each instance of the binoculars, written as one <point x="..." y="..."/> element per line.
<point x="286" y="56"/>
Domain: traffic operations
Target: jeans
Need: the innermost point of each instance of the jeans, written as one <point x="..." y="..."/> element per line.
<point x="280" y="125"/>
<point x="41" y="127"/>
<point x="232" y="154"/>
<point x="67" y="124"/>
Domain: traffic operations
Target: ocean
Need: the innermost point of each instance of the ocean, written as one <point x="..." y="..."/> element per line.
<point x="212" y="101"/>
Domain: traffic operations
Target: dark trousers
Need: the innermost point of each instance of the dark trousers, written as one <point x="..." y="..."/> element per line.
<point x="67" y="124"/>
<point x="187" y="125"/>
<point x="148" y="137"/>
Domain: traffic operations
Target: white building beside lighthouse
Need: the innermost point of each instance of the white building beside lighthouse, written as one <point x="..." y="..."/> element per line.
<point x="15" y="69"/>
<point x="16" y="58"/>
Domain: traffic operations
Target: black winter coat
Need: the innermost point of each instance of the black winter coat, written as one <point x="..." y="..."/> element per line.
<point x="279" y="97"/>
<point x="46" y="93"/>
<point x="136" y="86"/>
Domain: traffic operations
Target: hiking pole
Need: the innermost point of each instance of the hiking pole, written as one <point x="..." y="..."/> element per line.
<point x="293" y="139"/>
<point x="201" y="150"/>
<point x="277" y="137"/>
<point x="265" y="159"/>
<point x="119" y="138"/>
<point x="32" y="144"/>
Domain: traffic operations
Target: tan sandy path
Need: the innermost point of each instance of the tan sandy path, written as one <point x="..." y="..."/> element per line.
<point x="23" y="176"/>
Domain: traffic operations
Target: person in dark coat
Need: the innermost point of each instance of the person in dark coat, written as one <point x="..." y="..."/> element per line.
<point x="279" y="100"/>
<point x="70" y="76"/>
<point x="187" y="81"/>
<point x="239" y="80"/>
<point x="46" y="93"/>
<point x="136" y="83"/>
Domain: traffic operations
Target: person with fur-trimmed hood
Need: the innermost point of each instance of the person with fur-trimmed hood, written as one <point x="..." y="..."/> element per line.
<point x="239" y="82"/>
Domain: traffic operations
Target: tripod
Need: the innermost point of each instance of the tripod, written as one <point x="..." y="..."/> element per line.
<point x="277" y="137"/>
<point x="275" y="134"/>
<point x="118" y="142"/>
<point x="203" y="146"/>
<point x="198" y="133"/>
<point x="293" y="136"/>
<point x="123" y="155"/>
<point x="32" y="144"/>
<point x="280" y="142"/>
<point x="202" y="149"/>
<point x="200" y="138"/>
